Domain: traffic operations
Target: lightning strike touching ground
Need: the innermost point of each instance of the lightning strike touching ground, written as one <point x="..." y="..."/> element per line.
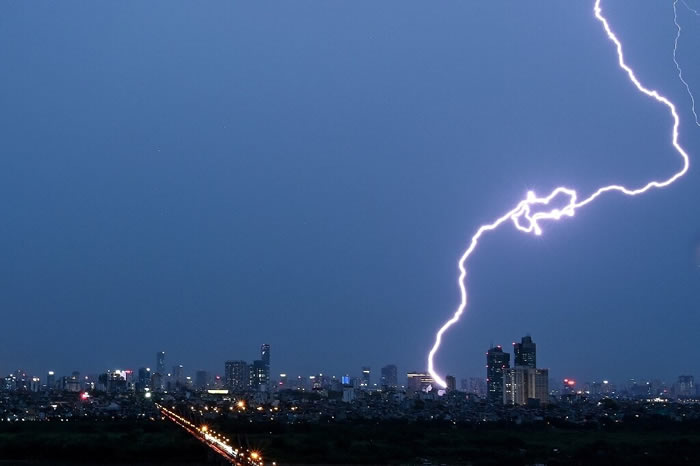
<point x="675" y="60"/>
<point x="527" y="220"/>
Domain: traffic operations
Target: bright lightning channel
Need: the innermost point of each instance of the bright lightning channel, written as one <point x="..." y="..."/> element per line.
<point x="522" y="214"/>
<point x="675" y="48"/>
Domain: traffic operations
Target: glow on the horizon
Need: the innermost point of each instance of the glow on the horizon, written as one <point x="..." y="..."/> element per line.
<point x="527" y="221"/>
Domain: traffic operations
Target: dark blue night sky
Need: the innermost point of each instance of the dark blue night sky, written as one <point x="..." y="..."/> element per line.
<point x="203" y="178"/>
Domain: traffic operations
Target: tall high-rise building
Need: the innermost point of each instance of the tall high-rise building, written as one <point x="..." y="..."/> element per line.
<point x="160" y="363"/>
<point x="525" y="353"/>
<point x="144" y="378"/>
<point x="259" y="375"/>
<point x="451" y="383"/>
<point x="265" y="354"/>
<point x="21" y="381"/>
<point x="35" y="384"/>
<point x="179" y="375"/>
<point x="365" y="378"/>
<point x="157" y="382"/>
<point x="524" y="382"/>
<point x="515" y="385"/>
<point x="496" y="363"/>
<point x="538" y="385"/>
<point x="265" y="358"/>
<point x="389" y="377"/>
<point x="236" y="375"/>
<point x="201" y="380"/>
<point x="50" y="380"/>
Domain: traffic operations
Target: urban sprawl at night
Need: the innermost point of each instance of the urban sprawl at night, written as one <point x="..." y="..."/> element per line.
<point x="514" y="391"/>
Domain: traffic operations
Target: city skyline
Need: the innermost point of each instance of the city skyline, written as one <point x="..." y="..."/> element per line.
<point x="521" y="383"/>
<point x="498" y="380"/>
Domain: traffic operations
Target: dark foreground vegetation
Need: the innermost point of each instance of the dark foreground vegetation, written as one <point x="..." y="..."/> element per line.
<point x="161" y="442"/>
<point x="98" y="442"/>
<point x="654" y="443"/>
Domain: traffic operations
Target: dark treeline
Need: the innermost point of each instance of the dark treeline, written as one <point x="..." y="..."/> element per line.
<point x="92" y="442"/>
<point x="649" y="442"/>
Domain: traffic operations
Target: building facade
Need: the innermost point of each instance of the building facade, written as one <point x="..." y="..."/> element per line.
<point x="418" y="382"/>
<point x="259" y="374"/>
<point x="525" y="352"/>
<point x="160" y="363"/>
<point x="497" y="361"/>
<point x="524" y="383"/>
<point x="365" y="379"/>
<point x="451" y="382"/>
<point x="389" y="377"/>
<point x="236" y="375"/>
<point x="201" y="380"/>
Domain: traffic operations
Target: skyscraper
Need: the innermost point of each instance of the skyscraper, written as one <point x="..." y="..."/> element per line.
<point x="515" y="385"/>
<point x="144" y="379"/>
<point x="236" y="375"/>
<point x="496" y="363"/>
<point x="365" y="379"/>
<point x="538" y="385"/>
<point x="265" y="358"/>
<point x="451" y="383"/>
<point x="160" y="363"/>
<point x="525" y="382"/>
<point x="525" y="353"/>
<point x="201" y="380"/>
<point x="389" y="377"/>
<point x="157" y="383"/>
<point x="35" y="384"/>
<point x="179" y="375"/>
<point x="265" y="354"/>
<point x="258" y="375"/>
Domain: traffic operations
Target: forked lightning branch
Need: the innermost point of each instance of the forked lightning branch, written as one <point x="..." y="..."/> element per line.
<point x="529" y="213"/>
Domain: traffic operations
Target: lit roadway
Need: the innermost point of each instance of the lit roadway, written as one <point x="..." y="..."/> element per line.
<point x="214" y="440"/>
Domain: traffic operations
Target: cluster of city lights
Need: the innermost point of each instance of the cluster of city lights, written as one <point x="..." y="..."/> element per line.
<point x="219" y="442"/>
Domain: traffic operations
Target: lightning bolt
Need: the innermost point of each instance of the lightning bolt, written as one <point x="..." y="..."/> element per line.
<point x="697" y="13"/>
<point x="675" y="48"/>
<point x="525" y="215"/>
